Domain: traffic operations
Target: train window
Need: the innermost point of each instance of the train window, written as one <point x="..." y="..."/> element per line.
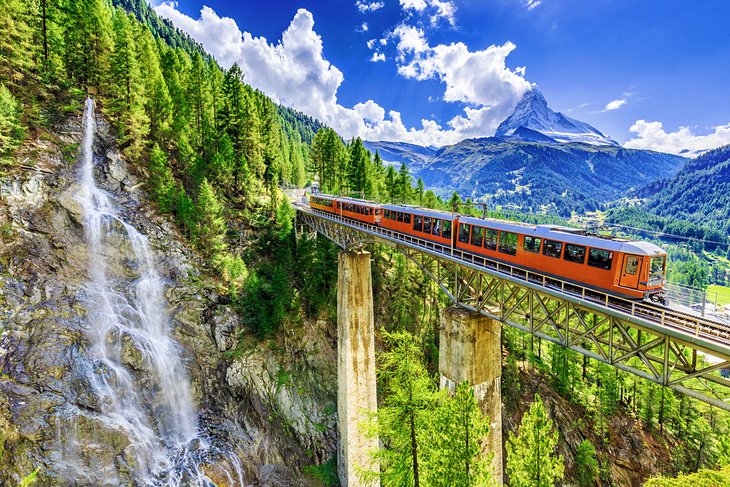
<point x="600" y="258"/>
<point x="387" y="214"/>
<point x="463" y="233"/>
<point x="426" y="225"/>
<point x="551" y="248"/>
<point x="508" y="243"/>
<point x="575" y="253"/>
<point x="446" y="233"/>
<point x="437" y="224"/>
<point x="418" y="223"/>
<point x="656" y="267"/>
<point x="400" y="217"/>
<point x="490" y="239"/>
<point x="407" y="218"/>
<point x="367" y="211"/>
<point x="532" y="244"/>
<point x="476" y="236"/>
<point x="632" y="265"/>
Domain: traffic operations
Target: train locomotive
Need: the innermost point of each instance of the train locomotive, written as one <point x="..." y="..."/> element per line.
<point x="624" y="268"/>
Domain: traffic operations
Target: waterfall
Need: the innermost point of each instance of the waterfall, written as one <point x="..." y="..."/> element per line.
<point x="126" y="316"/>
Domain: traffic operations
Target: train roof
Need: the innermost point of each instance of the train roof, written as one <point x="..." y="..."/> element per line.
<point x="570" y="235"/>
<point x="443" y="215"/>
<point x="345" y="199"/>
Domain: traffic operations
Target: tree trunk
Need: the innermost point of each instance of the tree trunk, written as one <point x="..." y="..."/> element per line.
<point x="414" y="450"/>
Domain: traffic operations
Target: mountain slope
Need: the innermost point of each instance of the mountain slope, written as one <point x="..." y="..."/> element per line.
<point x="699" y="192"/>
<point x="536" y="175"/>
<point x="532" y="113"/>
<point x="395" y="153"/>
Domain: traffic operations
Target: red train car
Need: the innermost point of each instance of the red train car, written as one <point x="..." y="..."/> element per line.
<point x="363" y="210"/>
<point x="434" y="225"/>
<point x="626" y="268"/>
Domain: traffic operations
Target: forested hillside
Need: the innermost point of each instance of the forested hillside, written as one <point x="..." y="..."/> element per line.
<point x="700" y="192"/>
<point x="535" y="177"/>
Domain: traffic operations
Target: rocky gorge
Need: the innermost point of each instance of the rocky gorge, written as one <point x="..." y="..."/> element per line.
<point x="265" y="410"/>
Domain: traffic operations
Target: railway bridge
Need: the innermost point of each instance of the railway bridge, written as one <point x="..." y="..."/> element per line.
<point x="687" y="353"/>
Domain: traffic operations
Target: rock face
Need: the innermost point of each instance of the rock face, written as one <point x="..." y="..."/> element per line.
<point x="268" y="410"/>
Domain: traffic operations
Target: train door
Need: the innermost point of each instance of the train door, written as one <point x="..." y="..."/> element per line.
<point x="630" y="271"/>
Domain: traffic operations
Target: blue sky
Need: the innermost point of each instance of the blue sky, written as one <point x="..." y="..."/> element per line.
<point x="649" y="74"/>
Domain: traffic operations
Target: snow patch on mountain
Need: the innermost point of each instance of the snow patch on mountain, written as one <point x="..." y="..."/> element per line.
<point x="533" y="115"/>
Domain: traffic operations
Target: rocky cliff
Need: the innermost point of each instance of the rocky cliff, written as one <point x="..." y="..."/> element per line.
<point x="267" y="409"/>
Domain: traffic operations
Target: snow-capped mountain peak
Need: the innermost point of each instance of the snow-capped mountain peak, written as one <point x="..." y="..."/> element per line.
<point x="532" y="113"/>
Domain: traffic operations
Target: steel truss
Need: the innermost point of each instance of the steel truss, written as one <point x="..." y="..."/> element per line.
<point x="685" y="355"/>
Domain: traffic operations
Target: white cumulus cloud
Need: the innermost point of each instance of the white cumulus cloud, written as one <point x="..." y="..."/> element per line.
<point x="652" y="136"/>
<point x="614" y="105"/>
<point x="294" y="72"/>
<point x="480" y="78"/>
<point x="435" y="9"/>
<point x="365" y="7"/>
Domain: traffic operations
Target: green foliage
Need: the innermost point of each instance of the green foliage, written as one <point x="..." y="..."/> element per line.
<point x="699" y="193"/>
<point x="325" y="473"/>
<point x="458" y="428"/>
<point x="531" y="459"/>
<point x="403" y="418"/>
<point x="316" y="274"/>
<point x="703" y="478"/>
<point x="30" y="479"/>
<point x="211" y="229"/>
<point x="11" y="132"/>
<point x="586" y="464"/>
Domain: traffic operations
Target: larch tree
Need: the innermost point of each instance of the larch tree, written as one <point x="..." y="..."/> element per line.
<point x="455" y="449"/>
<point x="531" y="459"/>
<point x="211" y="229"/>
<point x="357" y="167"/>
<point x="404" y="418"/>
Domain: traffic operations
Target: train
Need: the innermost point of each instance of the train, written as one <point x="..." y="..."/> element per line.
<point x="630" y="269"/>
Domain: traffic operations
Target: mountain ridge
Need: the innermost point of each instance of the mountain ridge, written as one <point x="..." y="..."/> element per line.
<point x="533" y="113"/>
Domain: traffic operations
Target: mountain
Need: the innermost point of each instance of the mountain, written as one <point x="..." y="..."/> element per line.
<point x="538" y="160"/>
<point x="532" y="115"/>
<point x="539" y="176"/>
<point x="699" y="192"/>
<point x="395" y="153"/>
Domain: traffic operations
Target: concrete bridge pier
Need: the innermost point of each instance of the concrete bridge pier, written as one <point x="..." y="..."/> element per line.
<point x="470" y="350"/>
<point x="355" y="366"/>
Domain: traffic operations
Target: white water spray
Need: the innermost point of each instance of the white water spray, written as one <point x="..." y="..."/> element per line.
<point x="127" y="317"/>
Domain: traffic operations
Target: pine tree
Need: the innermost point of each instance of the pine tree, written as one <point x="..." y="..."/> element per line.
<point x="454" y="202"/>
<point x="586" y="464"/>
<point x="359" y="159"/>
<point x="16" y="45"/>
<point x="11" y="132"/>
<point x="391" y="184"/>
<point x="211" y="228"/>
<point x="419" y="191"/>
<point x="455" y="452"/>
<point x="531" y="461"/>
<point x="403" y="184"/>
<point x="404" y="416"/>
<point x="161" y="180"/>
<point x="128" y="95"/>
<point x="88" y="41"/>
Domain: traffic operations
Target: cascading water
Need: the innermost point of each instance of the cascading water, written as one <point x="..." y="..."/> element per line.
<point x="153" y="410"/>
